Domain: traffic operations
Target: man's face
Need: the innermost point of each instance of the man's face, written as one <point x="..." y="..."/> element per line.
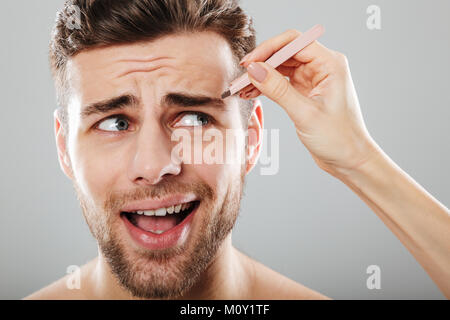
<point x="125" y="104"/>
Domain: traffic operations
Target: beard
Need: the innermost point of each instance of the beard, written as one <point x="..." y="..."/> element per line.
<point x="167" y="273"/>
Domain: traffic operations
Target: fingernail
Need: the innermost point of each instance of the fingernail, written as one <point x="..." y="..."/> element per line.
<point x="257" y="72"/>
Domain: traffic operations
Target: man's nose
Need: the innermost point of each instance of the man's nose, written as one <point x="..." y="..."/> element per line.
<point x="151" y="159"/>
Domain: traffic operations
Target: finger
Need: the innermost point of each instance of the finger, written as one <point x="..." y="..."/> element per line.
<point x="267" y="48"/>
<point x="276" y="87"/>
<point x="311" y="52"/>
<point x="286" y="71"/>
<point x="253" y="94"/>
<point x="291" y="62"/>
<point x="246" y="90"/>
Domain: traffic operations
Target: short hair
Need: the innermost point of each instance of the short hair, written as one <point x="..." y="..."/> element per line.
<point x="110" y="22"/>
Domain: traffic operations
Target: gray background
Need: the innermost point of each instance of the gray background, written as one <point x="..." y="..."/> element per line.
<point x="301" y="222"/>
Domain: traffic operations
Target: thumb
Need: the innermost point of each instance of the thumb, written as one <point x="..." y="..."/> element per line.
<point x="276" y="87"/>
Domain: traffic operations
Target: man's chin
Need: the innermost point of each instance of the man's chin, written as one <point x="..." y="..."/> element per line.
<point x="148" y="274"/>
<point x="168" y="273"/>
<point x="165" y="273"/>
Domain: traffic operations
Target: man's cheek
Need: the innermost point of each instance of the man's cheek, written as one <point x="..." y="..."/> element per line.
<point x="96" y="173"/>
<point x="214" y="175"/>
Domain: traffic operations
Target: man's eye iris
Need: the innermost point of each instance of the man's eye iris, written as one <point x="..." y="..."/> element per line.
<point x="114" y="124"/>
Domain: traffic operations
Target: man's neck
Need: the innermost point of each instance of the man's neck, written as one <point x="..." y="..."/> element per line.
<point x="226" y="277"/>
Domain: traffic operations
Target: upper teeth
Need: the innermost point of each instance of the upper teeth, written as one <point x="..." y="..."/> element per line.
<point x="163" y="211"/>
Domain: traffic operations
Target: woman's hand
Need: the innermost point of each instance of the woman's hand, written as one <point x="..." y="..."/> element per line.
<point x="320" y="99"/>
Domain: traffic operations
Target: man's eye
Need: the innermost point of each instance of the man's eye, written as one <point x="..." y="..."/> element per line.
<point x="193" y="119"/>
<point x="114" y="124"/>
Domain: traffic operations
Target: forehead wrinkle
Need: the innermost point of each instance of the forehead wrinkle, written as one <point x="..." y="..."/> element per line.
<point x="143" y="69"/>
<point x="143" y="64"/>
<point x="192" y="72"/>
<point x="149" y="59"/>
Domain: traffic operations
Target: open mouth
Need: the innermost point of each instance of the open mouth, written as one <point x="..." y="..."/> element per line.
<point x="162" y="219"/>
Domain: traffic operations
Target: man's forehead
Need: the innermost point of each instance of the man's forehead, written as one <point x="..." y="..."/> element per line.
<point x="194" y="53"/>
<point x="199" y="62"/>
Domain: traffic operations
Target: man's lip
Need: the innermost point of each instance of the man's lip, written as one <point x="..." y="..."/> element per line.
<point x="152" y="204"/>
<point x="152" y="241"/>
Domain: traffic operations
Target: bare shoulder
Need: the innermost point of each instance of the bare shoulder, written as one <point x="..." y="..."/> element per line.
<point x="63" y="289"/>
<point x="271" y="285"/>
<point x="57" y="290"/>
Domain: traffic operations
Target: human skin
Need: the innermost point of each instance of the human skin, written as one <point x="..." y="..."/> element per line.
<point x="100" y="162"/>
<point x="321" y="100"/>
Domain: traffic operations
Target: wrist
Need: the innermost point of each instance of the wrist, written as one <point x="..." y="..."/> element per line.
<point x="368" y="163"/>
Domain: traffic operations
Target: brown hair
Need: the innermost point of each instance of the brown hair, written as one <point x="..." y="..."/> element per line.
<point x="109" y="22"/>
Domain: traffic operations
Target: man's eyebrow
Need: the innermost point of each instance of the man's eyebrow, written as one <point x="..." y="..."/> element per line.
<point x="183" y="99"/>
<point x="109" y="105"/>
<point x="179" y="99"/>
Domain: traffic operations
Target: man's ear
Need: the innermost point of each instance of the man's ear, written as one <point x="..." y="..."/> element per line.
<point x="255" y="130"/>
<point x="63" y="157"/>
